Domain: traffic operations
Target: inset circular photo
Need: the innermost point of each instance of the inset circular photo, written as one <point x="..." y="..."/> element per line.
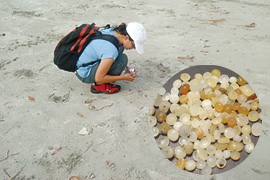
<point x="206" y="119"/>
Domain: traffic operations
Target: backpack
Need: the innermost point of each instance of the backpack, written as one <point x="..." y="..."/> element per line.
<point x="70" y="47"/>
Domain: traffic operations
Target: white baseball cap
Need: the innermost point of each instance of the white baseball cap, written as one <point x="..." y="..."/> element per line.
<point x="138" y="33"/>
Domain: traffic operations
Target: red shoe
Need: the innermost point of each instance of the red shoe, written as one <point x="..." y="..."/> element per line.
<point x="106" y="88"/>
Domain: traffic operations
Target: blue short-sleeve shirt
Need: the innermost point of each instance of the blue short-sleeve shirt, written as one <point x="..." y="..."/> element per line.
<point x="97" y="50"/>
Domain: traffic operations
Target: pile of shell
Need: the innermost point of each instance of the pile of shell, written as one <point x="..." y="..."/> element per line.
<point x="204" y="121"/>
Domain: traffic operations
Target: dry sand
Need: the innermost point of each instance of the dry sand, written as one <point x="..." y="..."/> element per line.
<point x="233" y="34"/>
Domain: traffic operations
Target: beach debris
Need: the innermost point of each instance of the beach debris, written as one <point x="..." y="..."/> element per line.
<point x="56" y="151"/>
<point x="13" y="177"/>
<point x="84" y="131"/>
<point x="87" y="102"/>
<point x="92" y="176"/>
<point x="251" y="25"/>
<point x="185" y="57"/>
<point x="73" y="178"/>
<point x="112" y="166"/>
<point x="98" y="109"/>
<point x="204" y="51"/>
<point x="79" y="114"/>
<point x="31" y="98"/>
<point x="107" y="162"/>
<point x="7" y="155"/>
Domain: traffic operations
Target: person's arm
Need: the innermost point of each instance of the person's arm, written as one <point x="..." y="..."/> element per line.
<point x="102" y="76"/>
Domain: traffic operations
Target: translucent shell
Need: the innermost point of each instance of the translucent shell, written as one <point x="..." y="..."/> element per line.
<point x="219" y="154"/>
<point x="247" y="90"/>
<point x="205" y="142"/>
<point x="163" y="141"/>
<point x="201" y="164"/>
<point x="253" y="116"/>
<point x="212" y="82"/>
<point x="241" y="81"/>
<point x="246" y="138"/>
<point x="184" y="130"/>
<point x="223" y="140"/>
<point x="241" y="119"/>
<point x="193" y="136"/>
<point x="190" y="165"/>
<point x="185" y="119"/>
<point x="254" y="106"/>
<point x="232" y="95"/>
<point x="235" y="155"/>
<point x="219" y="107"/>
<point x="167" y="151"/>
<point x="171" y="119"/>
<point x="194" y="110"/>
<point x="221" y="163"/>
<point x="206" y="75"/>
<point x="227" y="108"/>
<point x="184" y="89"/>
<point x="231" y="146"/>
<point x="249" y="147"/>
<point x="211" y="161"/>
<point x="188" y="148"/>
<point x="243" y="110"/>
<point x="229" y="132"/>
<point x="231" y="122"/>
<point x="179" y="152"/>
<point x="181" y="163"/>
<point x="215" y="72"/>
<point x="153" y="120"/>
<point x="181" y="110"/>
<point x="202" y="154"/>
<point x="206" y="170"/>
<point x="183" y="99"/>
<point x="177" y="83"/>
<point x="164" y="128"/>
<point x="173" y="134"/>
<point x="211" y="150"/>
<point x="162" y="91"/>
<point x="239" y="146"/>
<point x="174" y="98"/>
<point x="155" y="131"/>
<point x="200" y="132"/>
<point x="158" y="100"/>
<point x="224" y="78"/>
<point x="185" y="77"/>
<point x="256" y="129"/>
<point x="164" y="106"/>
<point x="221" y="146"/>
<point x="173" y="107"/>
<point x="161" y="116"/>
<point x="177" y="125"/>
<point x="174" y="90"/>
<point x="246" y="129"/>
<point x="226" y="154"/>
<point x="198" y="76"/>
<point x="233" y="80"/>
<point x="153" y="111"/>
<point x="195" y="123"/>
<point x="241" y="98"/>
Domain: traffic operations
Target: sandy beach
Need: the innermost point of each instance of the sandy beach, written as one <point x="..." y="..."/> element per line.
<point x="43" y="109"/>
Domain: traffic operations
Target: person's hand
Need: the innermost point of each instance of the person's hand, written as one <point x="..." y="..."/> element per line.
<point x="129" y="76"/>
<point x="127" y="69"/>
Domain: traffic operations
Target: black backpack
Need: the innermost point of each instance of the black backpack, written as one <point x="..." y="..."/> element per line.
<point x="70" y="47"/>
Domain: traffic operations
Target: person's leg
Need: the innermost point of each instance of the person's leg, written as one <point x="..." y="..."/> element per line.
<point x="117" y="68"/>
<point x="118" y="65"/>
<point x="91" y="78"/>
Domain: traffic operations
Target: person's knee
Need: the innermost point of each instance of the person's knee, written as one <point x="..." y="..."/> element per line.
<point x="123" y="59"/>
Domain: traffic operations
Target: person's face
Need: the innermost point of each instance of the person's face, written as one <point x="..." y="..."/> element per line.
<point x="128" y="44"/>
